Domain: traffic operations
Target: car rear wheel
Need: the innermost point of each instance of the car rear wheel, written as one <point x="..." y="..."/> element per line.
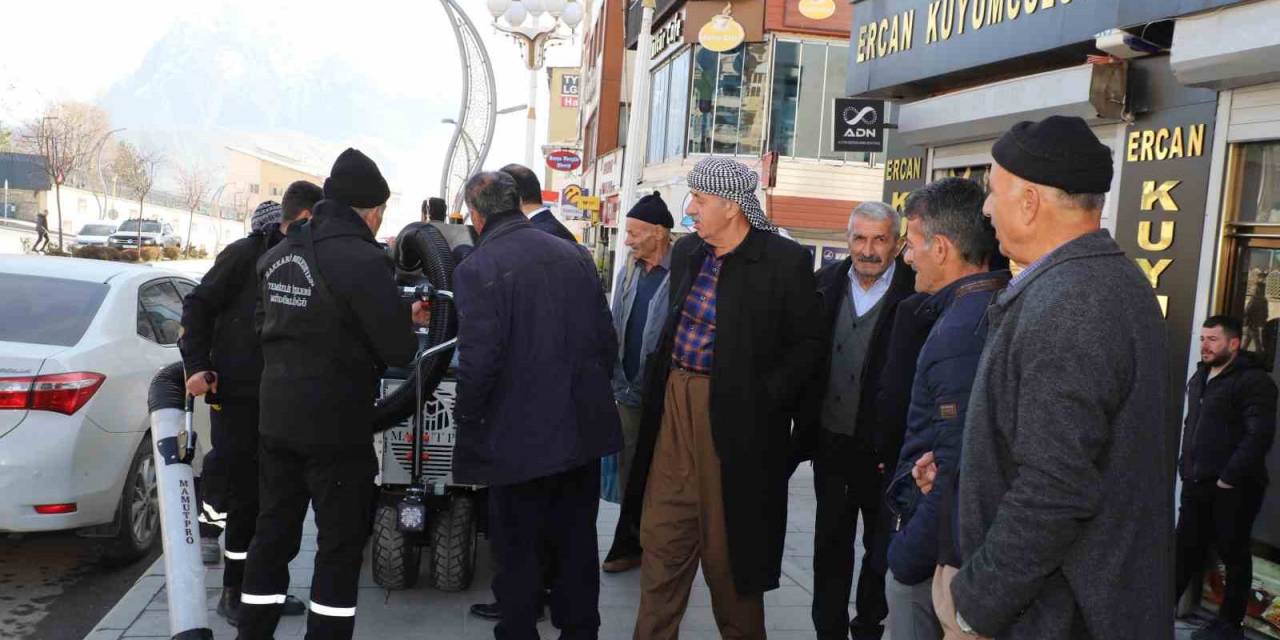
<point x="139" y="510"/>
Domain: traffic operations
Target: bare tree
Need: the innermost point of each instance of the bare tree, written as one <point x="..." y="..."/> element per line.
<point x="193" y="186"/>
<point x="65" y="137"/>
<point x="135" y="168"/>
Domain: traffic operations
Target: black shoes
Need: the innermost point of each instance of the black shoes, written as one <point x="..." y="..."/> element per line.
<point x="490" y="611"/>
<point x="1218" y="629"/>
<point x="229" y="606"/>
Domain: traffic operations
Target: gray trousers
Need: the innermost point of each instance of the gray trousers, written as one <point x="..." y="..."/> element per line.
<point x="630" y="436"/>
<point x="911" y="615"/>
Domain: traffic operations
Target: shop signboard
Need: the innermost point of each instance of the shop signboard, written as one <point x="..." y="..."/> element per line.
<point x="569" y="90"/>
<point x="903" y="171"/>
<point x="563" y="160"/>
<point x="859" y="125"/>
<point x="907" y="48"/>
<point x="832" y="255"/>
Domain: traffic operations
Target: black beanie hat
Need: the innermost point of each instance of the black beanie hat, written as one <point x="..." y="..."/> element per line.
<point x="653" y="210"/>
<point x="356" y="182"/>
<point x="1059" y="151"/>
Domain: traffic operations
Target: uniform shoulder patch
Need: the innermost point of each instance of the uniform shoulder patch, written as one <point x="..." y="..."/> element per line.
<point x="949" y="410"/>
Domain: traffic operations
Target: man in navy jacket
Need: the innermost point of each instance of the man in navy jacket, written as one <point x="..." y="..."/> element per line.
<point x="949" y="245"/>
<point x="535" y="410"/>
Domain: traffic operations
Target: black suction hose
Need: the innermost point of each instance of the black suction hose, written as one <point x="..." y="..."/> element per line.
<point x="168" y="389"/>
<point x="422" y="255"/>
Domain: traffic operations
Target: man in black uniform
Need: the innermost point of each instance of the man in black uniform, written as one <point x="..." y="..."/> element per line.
<point x="331" y="320"/>
<point x="218" y="338"/>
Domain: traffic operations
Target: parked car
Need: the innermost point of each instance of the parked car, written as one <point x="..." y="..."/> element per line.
<point x="154" y="234"/>
<point x="80" y="341"/>
<point x="94" y="234"/>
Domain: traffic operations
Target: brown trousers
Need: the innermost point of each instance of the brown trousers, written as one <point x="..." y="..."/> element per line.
<point x="683" y="523"/>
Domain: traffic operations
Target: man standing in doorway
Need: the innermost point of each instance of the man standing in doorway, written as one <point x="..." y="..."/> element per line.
<point x="714" y="454"/>
<point x="1066" y="483"/>
<point x="639" y="312"/>
<point x="531" y="202"/>
<point x="859" y="298"/>
<point x="1231" y="423"/>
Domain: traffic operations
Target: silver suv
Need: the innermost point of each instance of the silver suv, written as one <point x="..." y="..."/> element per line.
<point x="154" y="233"/>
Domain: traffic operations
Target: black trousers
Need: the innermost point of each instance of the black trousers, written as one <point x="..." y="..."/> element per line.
<point x="232" y="490"/>
<point x="1211" y="516"/>
<point x="626" y="536"/>
<point x="553" y="515"/>
<point x="848" y="487"/>
<point x="338" y="482"/>
<point x="42" y="240"/>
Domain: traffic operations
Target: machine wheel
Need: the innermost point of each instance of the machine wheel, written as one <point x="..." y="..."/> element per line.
<point x="453" y="544"/>
<point x="139" y="511"/>
<point x="396" y="559"/>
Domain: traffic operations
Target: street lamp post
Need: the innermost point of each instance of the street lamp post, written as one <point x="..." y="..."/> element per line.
<point x="535" y="25"/>
<point x="102" y="210"/>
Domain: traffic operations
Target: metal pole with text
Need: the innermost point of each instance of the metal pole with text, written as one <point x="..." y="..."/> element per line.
<point x="633" y="158"/>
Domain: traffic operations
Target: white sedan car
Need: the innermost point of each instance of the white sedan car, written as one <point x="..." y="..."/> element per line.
<point x="79" y="343"/>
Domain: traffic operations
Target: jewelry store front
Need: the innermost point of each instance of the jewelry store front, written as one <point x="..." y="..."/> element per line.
<point x="1187" y="95"/>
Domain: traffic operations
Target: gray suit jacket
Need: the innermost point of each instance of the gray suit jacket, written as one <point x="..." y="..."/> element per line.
<point x="1066" y="483"/>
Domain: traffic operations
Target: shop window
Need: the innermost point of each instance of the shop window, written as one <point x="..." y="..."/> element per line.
<point x="1260" y="183"/>
<point x="668" y="104"/>
<point x="980" y="174"/>
<point x="807" y="78"/>
<point x="727" y="102"/>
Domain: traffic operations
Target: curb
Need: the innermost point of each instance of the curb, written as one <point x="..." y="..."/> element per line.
<point x="130" y="607"/>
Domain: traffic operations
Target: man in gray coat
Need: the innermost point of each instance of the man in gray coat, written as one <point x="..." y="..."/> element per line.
<point x="1066" y="483"/>
<point x="641" y="294"/>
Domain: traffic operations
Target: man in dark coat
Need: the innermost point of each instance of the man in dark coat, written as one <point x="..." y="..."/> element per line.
<point x="531" y="202"/>
<point x="1231" y="423"/>
<point x="42" y="232"/>
<point x="949" y="246"/>
<point x="331" y="320"/>
<point x="1066" y="483"/>
<point x="837" y="425"/>
<point x="535" y="408"/>
<point x="219" y="342"/>
<point x="714" y="455"/>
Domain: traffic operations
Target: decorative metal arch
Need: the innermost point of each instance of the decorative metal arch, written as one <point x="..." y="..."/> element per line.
<point x="477" y="113"/>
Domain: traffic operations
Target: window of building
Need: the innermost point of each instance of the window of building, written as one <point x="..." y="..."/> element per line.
<point x="727" y="101"/>
<point x="668" y="105"/>
<point x="275" y="189"/>
<point x="253" y="188"/>
<point x="807" y="78"/>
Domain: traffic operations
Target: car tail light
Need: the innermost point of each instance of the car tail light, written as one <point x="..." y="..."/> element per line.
<point x="61" y="392"/>
<point x="52" y="509"/>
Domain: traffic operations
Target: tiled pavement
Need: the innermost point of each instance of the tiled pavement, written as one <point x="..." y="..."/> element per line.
<point x="425" y="613"/>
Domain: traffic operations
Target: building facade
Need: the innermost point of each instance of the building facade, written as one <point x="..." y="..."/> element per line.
<point x="255" y="175"/>
<point x="1186" y="94"/>
<point x="767" y="102"/>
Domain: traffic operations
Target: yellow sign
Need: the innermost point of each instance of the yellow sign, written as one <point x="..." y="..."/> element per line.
<point x="817" y="9"/>
<point x="722" y="33"/>
<point x="588" y="203"/>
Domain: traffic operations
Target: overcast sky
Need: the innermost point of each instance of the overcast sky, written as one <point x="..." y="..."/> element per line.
<point x="77" y="49"/>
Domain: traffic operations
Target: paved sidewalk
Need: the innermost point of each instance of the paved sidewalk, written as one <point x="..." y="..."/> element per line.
<point x="424" y="612"/>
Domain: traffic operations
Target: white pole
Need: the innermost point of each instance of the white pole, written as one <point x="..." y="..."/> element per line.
<point x="530" y="126"/>
<point x="6" y="198"/>
<point x="633" y="156"/>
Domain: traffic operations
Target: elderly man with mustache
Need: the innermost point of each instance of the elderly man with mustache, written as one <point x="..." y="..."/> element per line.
<point x="840" y="430"/>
